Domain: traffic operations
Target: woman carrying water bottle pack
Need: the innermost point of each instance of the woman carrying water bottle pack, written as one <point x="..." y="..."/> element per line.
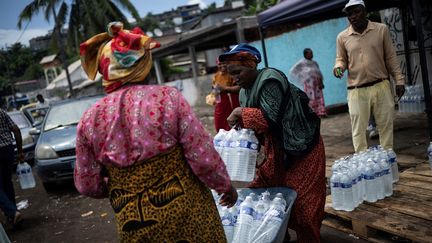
<point x="279" y="114"/>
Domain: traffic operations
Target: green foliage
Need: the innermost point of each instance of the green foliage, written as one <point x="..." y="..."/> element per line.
<point x="149" y="23"/>
<point x="254" y="7"/>
<point x="18" y="63"/>
<point x="167" y="69"/>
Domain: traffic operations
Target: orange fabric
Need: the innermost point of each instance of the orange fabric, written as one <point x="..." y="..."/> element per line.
<point x="222" y="79"/>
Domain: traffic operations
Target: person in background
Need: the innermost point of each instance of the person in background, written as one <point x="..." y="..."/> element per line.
<point x="289" y="131"/>
<point x="228" y="96"/>
<point x="143" y="148"/>
<point x="41" y="101"/>
<point x="372" y="129"/>
<point x="365" y="49"/>
<point x="307" y="73"/>
<point x="7" y="158"/>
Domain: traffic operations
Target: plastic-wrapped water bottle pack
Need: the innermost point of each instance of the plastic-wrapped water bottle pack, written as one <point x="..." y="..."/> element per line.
<point x="239" y="150"/>
<point x="367" y="176"/>
<point x="254" y="218"/>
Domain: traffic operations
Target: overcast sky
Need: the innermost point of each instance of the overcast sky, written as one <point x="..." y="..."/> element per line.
<point x="10" y="9"/>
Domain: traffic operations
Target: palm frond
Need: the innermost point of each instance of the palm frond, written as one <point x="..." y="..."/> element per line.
<point x="62" y="14"/>
<point x="29" y="11"/>
<point x="130" y="8"/>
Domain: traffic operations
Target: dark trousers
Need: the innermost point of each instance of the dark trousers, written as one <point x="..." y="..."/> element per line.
<point x="7" y="192"/>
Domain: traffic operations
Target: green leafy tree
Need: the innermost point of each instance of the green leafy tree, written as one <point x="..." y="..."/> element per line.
<point x="17" y="63"/>
<point x="254" y="7"/>
<point x="149" y="23"/>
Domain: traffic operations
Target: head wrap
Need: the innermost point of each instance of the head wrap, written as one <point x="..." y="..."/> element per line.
<point x="242" y="59"/>
<point x="242" y="54"/>
<point x="120" y="55"/>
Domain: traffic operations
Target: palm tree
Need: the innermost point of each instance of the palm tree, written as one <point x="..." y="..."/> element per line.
<point x="86" y="18"/>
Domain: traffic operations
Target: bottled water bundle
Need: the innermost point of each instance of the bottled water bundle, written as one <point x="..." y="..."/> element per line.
<point x="253" y="219"/>
<point x="413" y="100"/>
<point x="25" y="175"/>
<point x="239" y="150"/>
<point x="367" y="176"/>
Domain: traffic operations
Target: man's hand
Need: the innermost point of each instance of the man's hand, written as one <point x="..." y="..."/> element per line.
<point x="235" y="116"/>
<point x="338" y="72"/>
<point x="229" y="198"/>
<point x="21" y="157"/>
<point x="400" y="90"/>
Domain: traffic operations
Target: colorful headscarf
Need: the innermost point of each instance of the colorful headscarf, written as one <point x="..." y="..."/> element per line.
<point x="242" y="54"/>
<point x="120" y="55"/>
<point x="242" y="59"/>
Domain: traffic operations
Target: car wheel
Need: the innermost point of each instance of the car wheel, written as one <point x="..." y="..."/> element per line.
<point x="49" y="186"/>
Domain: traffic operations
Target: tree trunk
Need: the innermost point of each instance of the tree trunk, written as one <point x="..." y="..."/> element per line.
<point x="57" y="31"/>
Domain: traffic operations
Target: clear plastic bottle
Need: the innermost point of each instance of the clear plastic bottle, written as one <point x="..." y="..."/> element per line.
<point x="216" y="91"/>
<point x="336" y="191"/>
<point x="218" y="141"/>
<point x="379" y="180"/>
<point x="402" y="103"/>
<point x="257" y="220"/>
<point x="387" y="177"/>
<point x="391" y="155"/>
<point x="228" y="223"/>
<point x="281" y="196"/>
<point x="25" y="176"/>
<point x="228" y="151"/>
<point x="244" y="169"/>
<point x="265" y="199"/>
<point x="244" y="221"/>
<point x="347" y="192"/>
<point x="370" y="182"/>
<point x="271" y="223"/>
<point x="352" y="175"/>
<point x="253" y="153"/>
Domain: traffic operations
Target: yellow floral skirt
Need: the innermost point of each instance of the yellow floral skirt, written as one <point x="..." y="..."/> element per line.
<point x="161" y="200"/>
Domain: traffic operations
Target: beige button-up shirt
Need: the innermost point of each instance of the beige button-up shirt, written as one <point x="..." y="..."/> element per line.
<point x="368" y="56"/>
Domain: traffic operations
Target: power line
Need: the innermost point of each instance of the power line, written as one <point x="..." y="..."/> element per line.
<point x="22" y="32"/>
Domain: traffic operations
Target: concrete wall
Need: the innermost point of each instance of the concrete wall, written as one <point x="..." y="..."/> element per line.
<point x="283" y="51"/>
<point x="194" y="93"/>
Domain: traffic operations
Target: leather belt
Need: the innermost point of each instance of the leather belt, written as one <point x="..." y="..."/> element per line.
<point x="367" y="84"/>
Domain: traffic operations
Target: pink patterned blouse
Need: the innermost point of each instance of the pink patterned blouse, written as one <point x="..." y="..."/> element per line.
<point x="136" y="123"/>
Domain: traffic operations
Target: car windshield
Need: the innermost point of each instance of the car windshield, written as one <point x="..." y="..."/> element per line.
<point x="37" y="114"/>
<point x="19" y="120"/>
<point x="67" y="114"/>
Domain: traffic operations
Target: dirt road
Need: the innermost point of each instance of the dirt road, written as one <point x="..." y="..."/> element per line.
<point x="63" y="216"/>
<point x="66" y="216"/>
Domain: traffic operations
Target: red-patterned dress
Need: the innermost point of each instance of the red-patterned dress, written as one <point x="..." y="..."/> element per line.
<point x="306" y="175"/>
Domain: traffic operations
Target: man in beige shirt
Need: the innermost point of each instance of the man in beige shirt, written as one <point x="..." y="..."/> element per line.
<point x="365" y="49"/>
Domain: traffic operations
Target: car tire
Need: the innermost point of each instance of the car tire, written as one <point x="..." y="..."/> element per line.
<point x="49" y="186"/>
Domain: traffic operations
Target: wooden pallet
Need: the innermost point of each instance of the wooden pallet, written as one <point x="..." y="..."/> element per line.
<point x="407" y="214"/>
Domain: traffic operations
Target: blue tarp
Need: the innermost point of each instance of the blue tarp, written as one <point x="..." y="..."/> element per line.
<point x="296" y="10"/>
